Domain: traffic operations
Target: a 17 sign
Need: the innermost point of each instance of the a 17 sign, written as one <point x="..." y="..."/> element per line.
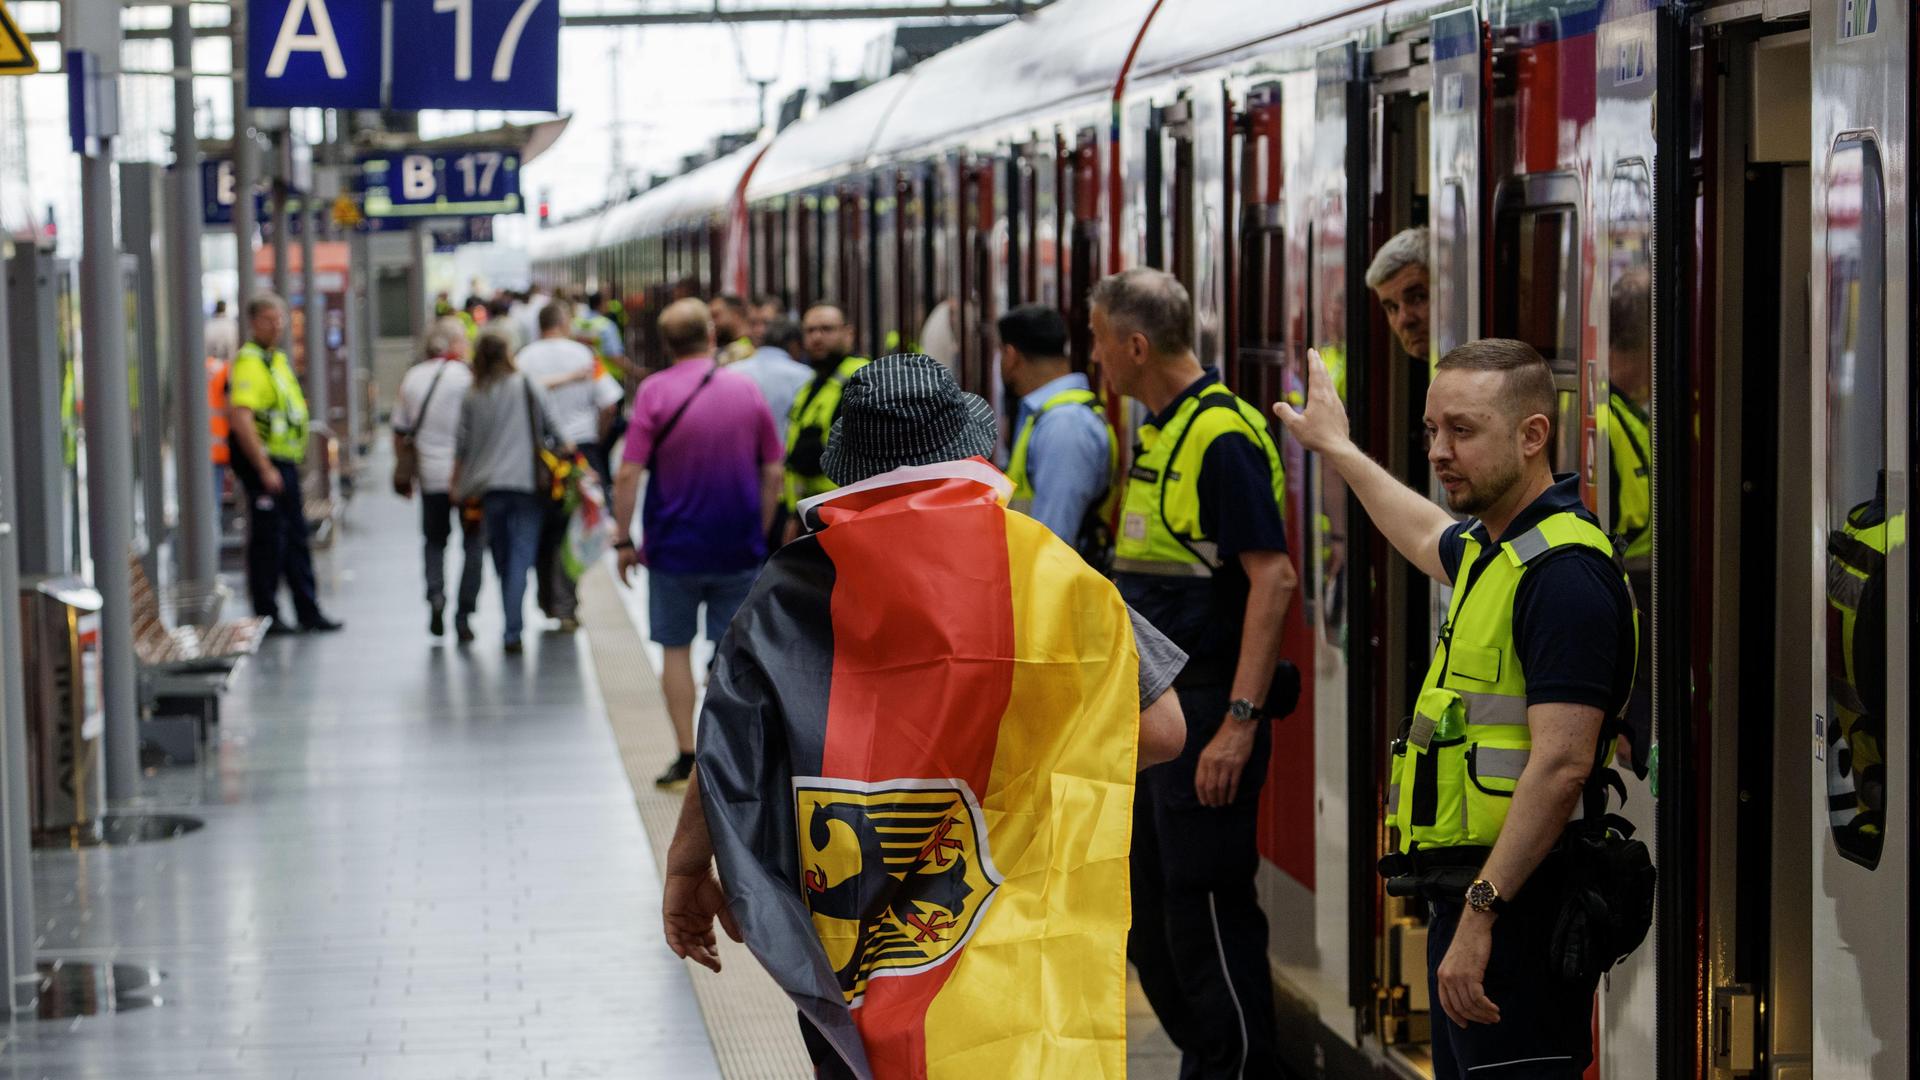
<point x="445" y="54"/>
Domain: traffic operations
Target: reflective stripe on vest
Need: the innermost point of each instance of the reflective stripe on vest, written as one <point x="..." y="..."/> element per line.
<point x="283" y="425"/>
<point x="1454" y="773"/>
<point x="1017" y="461"/>
<point x="1160" y="529"/>
<point x="1629" y="442"/>
<point x="815" y="408"/>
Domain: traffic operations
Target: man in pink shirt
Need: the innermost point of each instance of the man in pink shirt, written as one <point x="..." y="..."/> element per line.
<point x="708" y="445"/>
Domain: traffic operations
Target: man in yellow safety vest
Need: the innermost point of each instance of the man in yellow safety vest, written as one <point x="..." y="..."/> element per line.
<point x="1202" y="555"/>
<point x="1062" y="458"/>
<point x="1534" y="660"/>
<point x="828" y="340"/>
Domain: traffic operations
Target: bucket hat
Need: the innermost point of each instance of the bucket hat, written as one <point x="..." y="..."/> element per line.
<point x="901" y="410"/>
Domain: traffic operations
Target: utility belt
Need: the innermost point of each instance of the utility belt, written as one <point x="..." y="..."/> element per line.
<point x="1593" y="893"/>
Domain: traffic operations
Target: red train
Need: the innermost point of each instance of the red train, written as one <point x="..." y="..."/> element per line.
<point x="1708" y="202"/>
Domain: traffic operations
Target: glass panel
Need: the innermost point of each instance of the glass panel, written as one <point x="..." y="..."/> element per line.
<point x="1622" y="406"/>
<point x="1455" y="229"/>
<point x="1858" y="529"/>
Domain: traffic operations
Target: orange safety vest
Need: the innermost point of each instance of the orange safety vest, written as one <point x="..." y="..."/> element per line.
<point x="217" y="407"/>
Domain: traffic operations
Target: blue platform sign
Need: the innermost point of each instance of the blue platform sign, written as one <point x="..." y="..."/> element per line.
<point x="441" y="183"/>
<point x="313" y="53"/>
<point x="476" y="54"/>
<point x="217" y="190"/>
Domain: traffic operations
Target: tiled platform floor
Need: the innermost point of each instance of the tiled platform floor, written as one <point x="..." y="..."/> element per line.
<point x="419" y="861"/>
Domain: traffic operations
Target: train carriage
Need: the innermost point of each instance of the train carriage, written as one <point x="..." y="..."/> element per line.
<point x="1699" y="213"/>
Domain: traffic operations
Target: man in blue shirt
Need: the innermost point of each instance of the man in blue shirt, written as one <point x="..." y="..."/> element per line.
<point x="1061" y="460"/>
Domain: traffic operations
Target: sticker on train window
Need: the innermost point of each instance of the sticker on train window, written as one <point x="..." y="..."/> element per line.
<point x="1453" y="91"/>
<point x="1859" y="18"/>
<point x="1630" y="62"/>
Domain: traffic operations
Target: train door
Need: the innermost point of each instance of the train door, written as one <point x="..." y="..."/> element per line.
<point x="1083" y="237"/>
<point x="1862" y="425"/>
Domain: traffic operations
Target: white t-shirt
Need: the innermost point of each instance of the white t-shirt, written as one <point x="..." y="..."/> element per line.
<point x="433" y="434"/>
<point x="576" y="405"/>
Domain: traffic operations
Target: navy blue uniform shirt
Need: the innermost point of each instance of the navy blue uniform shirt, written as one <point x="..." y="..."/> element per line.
<point x="1203" y="616"/>
<point x="1564" y="606"/>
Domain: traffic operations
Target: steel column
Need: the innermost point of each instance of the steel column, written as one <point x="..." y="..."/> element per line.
<point x="16" y="859"/>
<point x="244" y="174"/>
<point x="197" y="544"/>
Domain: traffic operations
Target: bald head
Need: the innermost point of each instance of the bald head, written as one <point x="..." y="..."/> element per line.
<point x="687" y="328"/>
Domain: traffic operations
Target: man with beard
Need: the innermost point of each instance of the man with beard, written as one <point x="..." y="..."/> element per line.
<point x="1535" y="658"/>
<point x="827" y="338"/>
<point x="732" y="327"/>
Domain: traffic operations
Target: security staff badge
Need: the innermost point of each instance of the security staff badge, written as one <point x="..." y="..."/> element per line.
<point x="896" y="873"/>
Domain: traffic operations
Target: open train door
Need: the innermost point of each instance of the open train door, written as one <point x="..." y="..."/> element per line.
<point x="1862" y="441"/>
<point x="1624" y="341"/>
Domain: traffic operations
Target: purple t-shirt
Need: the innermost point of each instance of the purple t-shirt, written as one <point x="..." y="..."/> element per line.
<point x="702" y="512"/>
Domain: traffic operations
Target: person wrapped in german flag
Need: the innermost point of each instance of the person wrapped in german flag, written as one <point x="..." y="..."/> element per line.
<point x="916" y="762"/>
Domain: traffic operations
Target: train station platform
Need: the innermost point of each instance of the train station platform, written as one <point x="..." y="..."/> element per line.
<point x="414" y="860"/>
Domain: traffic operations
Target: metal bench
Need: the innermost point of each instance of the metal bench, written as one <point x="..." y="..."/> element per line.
<point x="195" y="642"/>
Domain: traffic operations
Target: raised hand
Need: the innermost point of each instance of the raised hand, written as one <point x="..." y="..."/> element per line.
<point x="1321" y="425"/>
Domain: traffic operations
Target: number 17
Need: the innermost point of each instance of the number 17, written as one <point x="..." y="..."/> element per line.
<point x="462" y="11"/>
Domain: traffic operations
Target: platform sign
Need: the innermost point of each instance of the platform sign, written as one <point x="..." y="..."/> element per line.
<point x="217" y="190"/>
<point x="16" y="55"/>
<point x="441" y="183"/>
<point x="476" y="54"/>
<point x="313" y="53"/>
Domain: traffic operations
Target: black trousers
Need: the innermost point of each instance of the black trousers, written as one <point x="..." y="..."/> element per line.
<point x="1546" y="1024"/>
<point x="277" y="543"/>
<point x="1199" y="938"/>
<point x="438" y="514"/>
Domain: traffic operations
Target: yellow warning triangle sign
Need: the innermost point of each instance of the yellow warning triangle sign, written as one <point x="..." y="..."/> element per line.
<point x="16" y="56"/>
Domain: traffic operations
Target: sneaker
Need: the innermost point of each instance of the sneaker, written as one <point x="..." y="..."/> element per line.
<point x="322" y="625"/>
<point x="677" y="774"/>
<point x="512" y="647"/>
<point x="569" y="625"/>
<point x="437" y="626"/>
<point x="463" y="629"/>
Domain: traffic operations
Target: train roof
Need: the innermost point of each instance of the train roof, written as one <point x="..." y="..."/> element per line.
<point x="1068" y="53"/>
<point x="833" y="141"/>
<point x="576" y="237"/>
<point x="1188" y="35"/>
<point x="703" y="192"/>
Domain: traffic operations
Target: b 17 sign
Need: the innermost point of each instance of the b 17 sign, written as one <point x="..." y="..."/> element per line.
<point x="441" y="183"/>
<point x="444" y="54"/>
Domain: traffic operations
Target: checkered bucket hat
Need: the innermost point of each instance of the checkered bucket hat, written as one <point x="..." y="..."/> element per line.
<point x="901" y="410"/>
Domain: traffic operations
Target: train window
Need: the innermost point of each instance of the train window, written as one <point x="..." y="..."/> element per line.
<point x="1084" y="241"/>
<point x="1454" y="235"/>
<point x="1861" y="540"/>
<point x="1623" y="397"/>
<point x="1536" y="290"/>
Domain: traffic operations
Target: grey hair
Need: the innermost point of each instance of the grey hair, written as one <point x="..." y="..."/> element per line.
<point x="446" y="330"/>
<point x="263" y="300"/>
<point x="1407" y="248"/>
<point x="1150" y="302"/>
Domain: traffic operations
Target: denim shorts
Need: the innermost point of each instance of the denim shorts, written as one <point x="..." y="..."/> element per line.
<point x="673" y="602"/>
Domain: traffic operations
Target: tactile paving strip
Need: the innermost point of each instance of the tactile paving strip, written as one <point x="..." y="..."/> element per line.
<point x="751" y="1021"/>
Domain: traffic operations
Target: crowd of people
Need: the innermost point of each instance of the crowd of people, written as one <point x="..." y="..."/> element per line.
<point x="770" y="451"/>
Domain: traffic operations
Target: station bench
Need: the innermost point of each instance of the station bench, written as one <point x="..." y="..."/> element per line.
<point x="187" y="658"/>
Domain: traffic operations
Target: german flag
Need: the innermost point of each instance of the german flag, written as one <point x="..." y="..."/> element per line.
<point x="917" y="758"/>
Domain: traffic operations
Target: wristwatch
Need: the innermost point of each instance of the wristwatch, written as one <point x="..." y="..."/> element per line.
<point x="1484" y="897"/>
<point x="623" y="544"/>
<point x="1245" y="711"/>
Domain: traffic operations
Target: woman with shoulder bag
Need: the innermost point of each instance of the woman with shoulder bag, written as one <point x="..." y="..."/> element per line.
<point x="505" y="423"/>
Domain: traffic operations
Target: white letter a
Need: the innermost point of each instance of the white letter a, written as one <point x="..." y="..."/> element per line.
<point x="322" y="41"/>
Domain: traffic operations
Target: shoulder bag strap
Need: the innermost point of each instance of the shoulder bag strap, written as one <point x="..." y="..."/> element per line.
<point x="427" y="402"/>
<point x="666" y="429"/>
